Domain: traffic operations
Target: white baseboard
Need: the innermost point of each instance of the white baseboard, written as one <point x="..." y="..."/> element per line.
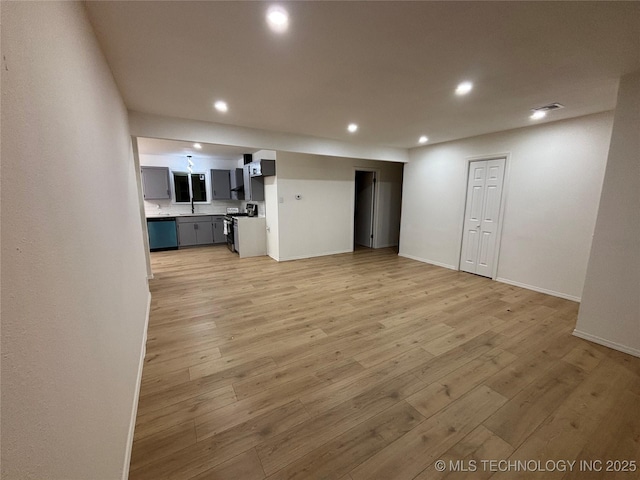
<point x="324" y="254"/>
<point x="277" y="259"/>
<point x="607" y="343"/>
<point x="426" y="260"/>
<point x="136" y="397"/>
<point x="541" y="290"/>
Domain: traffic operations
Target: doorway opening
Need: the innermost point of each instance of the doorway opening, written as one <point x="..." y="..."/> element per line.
<point x="482" y="217"/>
<point x="364" y="209"/>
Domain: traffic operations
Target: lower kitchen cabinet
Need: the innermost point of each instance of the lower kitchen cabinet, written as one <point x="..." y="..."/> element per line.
<point x="200" y="230"/>
<point x="218" y="230"/>
<point x="195" y="231"/>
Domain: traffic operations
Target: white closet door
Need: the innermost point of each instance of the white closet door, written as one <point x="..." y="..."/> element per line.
<point x="482" y="215"/>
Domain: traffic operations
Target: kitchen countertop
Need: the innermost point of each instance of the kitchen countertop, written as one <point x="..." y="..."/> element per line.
<point x="174" y="215"/>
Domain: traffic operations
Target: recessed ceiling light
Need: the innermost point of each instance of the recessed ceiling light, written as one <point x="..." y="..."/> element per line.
<point x="538" y="114"/>
<point x="464" y="88"/>
<point x="278" y="19"/>
<point x="197" y="146"/>
<point x="221" y="106"/>
<point x="423" y="139"/>
<point x="352" y="127"/>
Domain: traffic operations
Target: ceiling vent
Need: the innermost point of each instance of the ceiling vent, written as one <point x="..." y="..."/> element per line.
<point x="548" y="108"/>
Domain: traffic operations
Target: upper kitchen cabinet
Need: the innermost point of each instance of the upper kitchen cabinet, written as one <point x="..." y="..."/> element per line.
<point x="262" y="168"/>
<point x="253" y="186"/>
<point x="220" y="185"/>
<point x="155" y="183"/>
<point x="254" y="174"/>
<point x="237" y="184"/>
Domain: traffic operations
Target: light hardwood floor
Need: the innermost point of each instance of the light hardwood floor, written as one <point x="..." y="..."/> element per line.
<point x="368" y="366"/>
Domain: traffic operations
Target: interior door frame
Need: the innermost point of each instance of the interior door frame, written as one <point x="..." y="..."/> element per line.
<point x="376" y="199"/>
<point x="503" y="200"/>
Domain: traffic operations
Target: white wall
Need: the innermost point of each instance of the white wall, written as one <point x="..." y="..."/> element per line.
<point x="200" y="165"/>
<point x="270" y="205"/>
<point x="610" y="308"/>
<point x="271" y="214"/>
<point x="321" y="222"/>
<point x="74" y="291"/>
<point x="555" y="173"/>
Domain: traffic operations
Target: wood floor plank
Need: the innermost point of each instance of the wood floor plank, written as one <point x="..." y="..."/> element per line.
<point x="522" y="414"/>
<point x="416" y="450"/>
<point x="449" y="388"/>
<point x="196" y="387"/>
<point x="213" y="423"/>
<point x="181" y="412"/>
<point x="318" y="401"/>
<point x="445" y="363"/>
<point x="213" y="451"/>
<point x="481" y="444"/>
<point x="285" y="448"/>
<point x="335" y="458"/>
<point x="388" y="350"/>
<point x="577" y="421"/>
<point x="584" y="356"/>
<point x="620" y="441"/>
<point x="156" y="364"/>
<point x="245" y="466"/>
<point x="521" y="372"/>
<point x="365" y="365"/>
<point x="150" y="449"/>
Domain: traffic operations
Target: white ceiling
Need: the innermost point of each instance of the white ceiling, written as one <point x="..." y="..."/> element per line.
<point x="173" y="148"/>
<point x="389" y="66"/>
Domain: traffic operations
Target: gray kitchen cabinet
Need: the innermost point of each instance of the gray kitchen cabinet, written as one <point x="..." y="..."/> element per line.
<point x="155" y="183"/>
<point x="220" y="185"/>
<point x="263" y="168"/>
<point x="186" y="235"/>
<point x="237" y="184"/>
<point x="197" y="230"/>
<point x="253" y="186"/>
<point x="218" y="230"/>
<point x="204" y="232"/>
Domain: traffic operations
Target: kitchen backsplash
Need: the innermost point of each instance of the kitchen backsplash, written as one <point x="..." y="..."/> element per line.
<point x="216" y="207"/>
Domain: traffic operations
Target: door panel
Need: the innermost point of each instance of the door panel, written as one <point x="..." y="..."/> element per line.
<point x="471" y="249"/>
<point x="492" y="205"/>
<point x="220" y="184"/>
<point x="483" y="251"/>
<point x="473" y="215"/>
<point x="218" y="231"/>
<point x="477" y="196"/>
<point x="482" y="214"/>
<point x="155" y="183"/>
<point x="490" y="217"/>
<point x="204" y="233"/>
<point x="186" y="234"/>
